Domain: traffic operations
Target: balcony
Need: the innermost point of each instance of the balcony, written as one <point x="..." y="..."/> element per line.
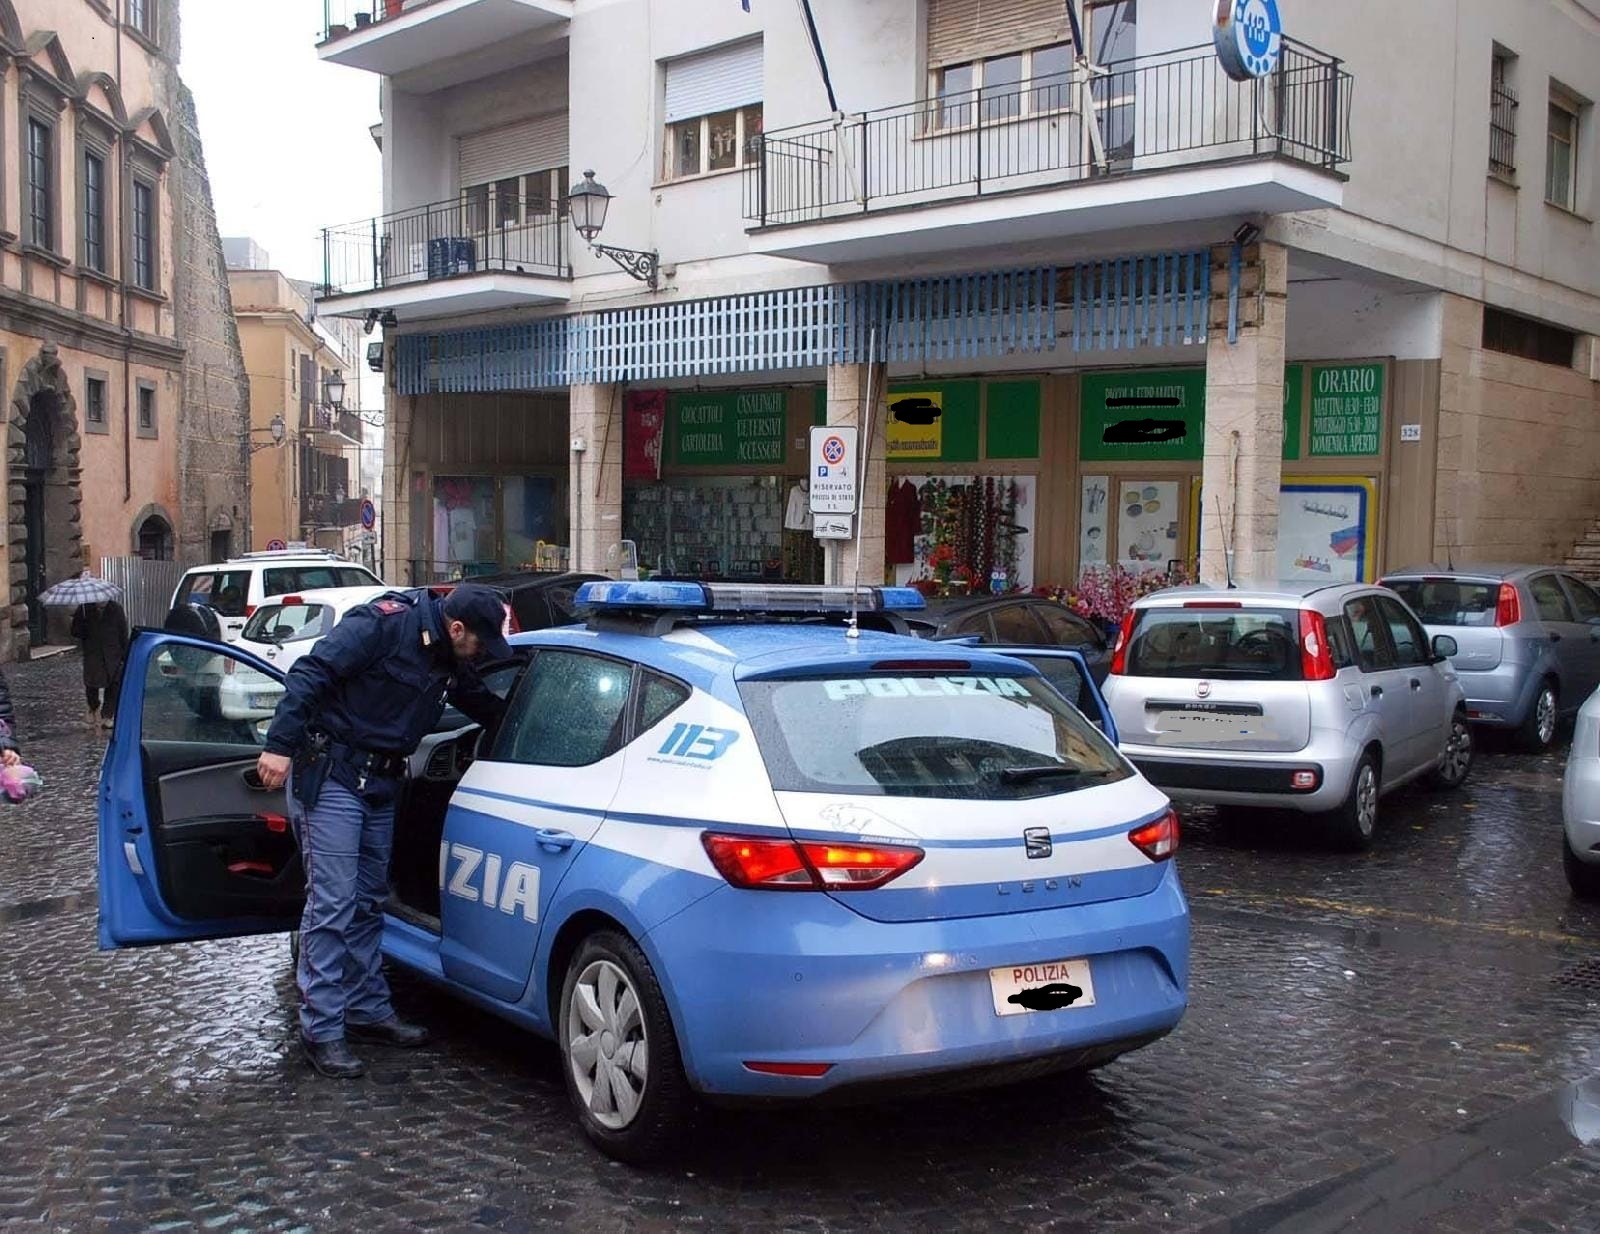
<point x="322" y="510"/>
<point x="443" y="260"/>
<point x="1169" y="139"/>
<point x="330" y="428"/>
<point x="393" y="37"/>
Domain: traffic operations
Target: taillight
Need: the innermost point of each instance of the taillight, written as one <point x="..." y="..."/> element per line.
<point x="1316" y="657"/>
<point x="229" y="664"/>
<point x="1508" y="610"/>
<point x="249" y="610"/>
<point x="1119" y="652"/>
<point x="784" y="865"/>
<point x="1157" y="840"/>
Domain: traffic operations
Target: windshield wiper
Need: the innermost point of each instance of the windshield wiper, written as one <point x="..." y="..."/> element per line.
<point x="1026" y="775"/>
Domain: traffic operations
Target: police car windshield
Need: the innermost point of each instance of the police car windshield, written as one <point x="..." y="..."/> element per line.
<point x="926" y="735"/>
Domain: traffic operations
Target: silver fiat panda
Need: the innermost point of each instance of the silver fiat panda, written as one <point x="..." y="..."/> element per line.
<point x="1314" y="698"/>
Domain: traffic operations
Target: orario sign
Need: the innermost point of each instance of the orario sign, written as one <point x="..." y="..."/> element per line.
<point x="1248" y="35"/>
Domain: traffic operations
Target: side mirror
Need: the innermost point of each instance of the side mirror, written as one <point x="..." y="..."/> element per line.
<point x="1444" y="647"/>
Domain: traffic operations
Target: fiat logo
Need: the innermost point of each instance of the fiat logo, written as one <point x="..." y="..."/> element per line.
<point x="1202" y="689"/>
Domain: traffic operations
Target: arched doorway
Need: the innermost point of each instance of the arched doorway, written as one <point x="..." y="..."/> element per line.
<point x="153" y="539"/>
<point x="45" y="467"/>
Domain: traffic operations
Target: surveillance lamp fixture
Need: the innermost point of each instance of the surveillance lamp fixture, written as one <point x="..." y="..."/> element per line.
<point x="1246" y="234"/>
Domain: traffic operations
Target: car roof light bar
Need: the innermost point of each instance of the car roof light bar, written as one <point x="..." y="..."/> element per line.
<point x="734" y="598"/>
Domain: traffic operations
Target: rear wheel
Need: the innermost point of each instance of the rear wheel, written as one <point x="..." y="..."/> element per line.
<point x="622" y="1067"/>
<point x="1538" y="731"/>
<point x="1456" y="761"/>
<point x="1582" y="877"/>
<point x="1354" y="823"/>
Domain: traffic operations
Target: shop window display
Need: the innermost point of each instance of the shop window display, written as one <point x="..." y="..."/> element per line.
<point x="973" y="533"/>
<point x="727" y="527"/>
<point x="463" y="526"/>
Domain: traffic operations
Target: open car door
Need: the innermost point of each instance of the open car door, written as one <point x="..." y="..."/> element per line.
<point x="191" y="845"/>
<point x="1068" y="671"/>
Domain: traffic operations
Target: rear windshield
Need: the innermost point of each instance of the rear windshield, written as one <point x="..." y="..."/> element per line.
<point x="982" y="738"/>
<point x="285" y="580"/>
<point x="226" y="591"/>
<point x="288" y="623"/>
<point x="1448" y="602"/>
<point x="1247" y="644"/>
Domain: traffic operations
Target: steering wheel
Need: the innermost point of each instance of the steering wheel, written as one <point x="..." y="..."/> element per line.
<point x="1262" y="642"/>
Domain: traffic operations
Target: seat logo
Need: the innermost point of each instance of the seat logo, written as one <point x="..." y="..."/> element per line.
<point x="1202" y="689"/>
<point x="1037" y="842"/>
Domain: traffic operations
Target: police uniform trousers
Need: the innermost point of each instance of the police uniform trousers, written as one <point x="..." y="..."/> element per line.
<point x="345" y="843"/>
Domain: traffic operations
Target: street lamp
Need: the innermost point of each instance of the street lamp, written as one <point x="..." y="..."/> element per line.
<point x="587" y="204"/>
<point x="276" y="430"/>
<point x="333" y="391"/>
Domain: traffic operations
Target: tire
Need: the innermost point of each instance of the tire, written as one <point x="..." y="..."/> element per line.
<point x="1354" y="824"/>
<point x="1583" y="878"/>
<point x="1455" y="764"/>
<point x="1538" y="730"/>
<point x="607" y="973"/>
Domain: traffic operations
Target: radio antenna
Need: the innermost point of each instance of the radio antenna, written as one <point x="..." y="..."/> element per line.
<point x="853" y="630"/>
<point x="1227" y="549"/>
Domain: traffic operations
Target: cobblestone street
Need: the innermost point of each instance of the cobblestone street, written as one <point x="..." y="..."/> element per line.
<point x="1379" y="1042"/>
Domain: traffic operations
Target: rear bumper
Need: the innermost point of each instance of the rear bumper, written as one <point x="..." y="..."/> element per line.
<point x="1261" y="780"/>
<point x="1500" y="697"/>
<point x="804" y="979"/>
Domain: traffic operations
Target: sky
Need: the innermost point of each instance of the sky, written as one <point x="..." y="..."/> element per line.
<point x="287" y="138"/>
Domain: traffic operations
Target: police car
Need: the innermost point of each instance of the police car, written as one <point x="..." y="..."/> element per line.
<point x="726" y="845"/>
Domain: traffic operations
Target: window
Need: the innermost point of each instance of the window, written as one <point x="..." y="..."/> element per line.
<point x="1410" y="640"/>
<point x="1449" y="602"/>
<point x="718" y="142"/>
<point x="94" y="211"/>
<point x="147" y="424"/>
<point x="144" y="235"/>
<point x="227" y="591"/>
<point x="513" y="201"/>
<point x="567" y="712"/>
<point x="1015" y="623"/>
<point x="1561" y="152"/>
<point x="1502" y="118"/>
<point x="1549" y="599"/>
<point x="1005" y="87"/>
<point x="1372" y="650"/>
<point x="1229" y="645"/>
<point x="94" y="404"/>
<point x="41" y="184"/>
<point x="286" y="580"/>
<point x="1063" y="674"/>
<point x="288" y="623"/>
<point x="658" y="699"/>
<point x="141" y="15"/>
<point x="1584" y="600"/>
<point x="1066" y="629"/>
<point x="713" y="111"/>
<point x="1532" y="340"/>
<point x="926" y="735"/>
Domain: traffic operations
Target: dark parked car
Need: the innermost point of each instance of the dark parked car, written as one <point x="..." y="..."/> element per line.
<point x="538" y="601"/>
<point x="1023" y="621"/>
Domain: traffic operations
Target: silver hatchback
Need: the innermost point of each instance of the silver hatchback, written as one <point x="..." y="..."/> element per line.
<point x="1528" y="640"/>
<point x="1317" y="699"/>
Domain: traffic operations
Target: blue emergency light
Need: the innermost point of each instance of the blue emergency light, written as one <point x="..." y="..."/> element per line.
<point x="730" y="598"/>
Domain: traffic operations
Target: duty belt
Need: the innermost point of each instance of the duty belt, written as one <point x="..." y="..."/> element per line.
<point x="368" y="764"/>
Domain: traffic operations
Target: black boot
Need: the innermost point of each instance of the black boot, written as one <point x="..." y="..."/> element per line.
<point x="393" y="1031"/>
<point x="333" y="1059"/>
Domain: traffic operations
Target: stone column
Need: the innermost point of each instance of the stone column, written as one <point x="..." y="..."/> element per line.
<point x="1244" y="418"/>
<point x="847" y="400"/>
<point x="395" y="516"/>
<point x="594" y="497"/>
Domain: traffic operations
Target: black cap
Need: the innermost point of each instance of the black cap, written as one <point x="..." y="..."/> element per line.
<point x="483" y="612"/>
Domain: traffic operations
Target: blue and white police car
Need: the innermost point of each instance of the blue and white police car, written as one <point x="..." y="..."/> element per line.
<point x="724" y="845"/>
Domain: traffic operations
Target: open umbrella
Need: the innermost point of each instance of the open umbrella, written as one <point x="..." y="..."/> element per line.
<point x="85" y="589"/>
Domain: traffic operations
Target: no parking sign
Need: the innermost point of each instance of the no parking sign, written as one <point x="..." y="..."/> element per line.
<point x="833" y="469"/>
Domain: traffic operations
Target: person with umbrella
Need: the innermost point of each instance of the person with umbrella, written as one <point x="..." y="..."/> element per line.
<point x="101" y="626"/>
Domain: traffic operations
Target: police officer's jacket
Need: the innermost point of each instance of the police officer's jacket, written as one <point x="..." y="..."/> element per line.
<point x="378" y="682"/>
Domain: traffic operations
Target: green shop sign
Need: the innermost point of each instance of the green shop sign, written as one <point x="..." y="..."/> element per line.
<point x="1346" y="410"/>
<point x="1142" y="416"/>
<point x="728" y="428"/>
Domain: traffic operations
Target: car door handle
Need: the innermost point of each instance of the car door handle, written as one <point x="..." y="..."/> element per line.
<point x="1377" y="691"/>
<point x="555" y="839"/>
<point x="1415" y="684"/>
<point x="252" y="780"/>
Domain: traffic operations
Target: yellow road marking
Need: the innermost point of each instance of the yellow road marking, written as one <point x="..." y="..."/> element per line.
<point x="1398" y="914"/>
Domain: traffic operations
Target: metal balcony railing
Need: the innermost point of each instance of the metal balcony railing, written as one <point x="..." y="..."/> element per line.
<point x="341" y="17"/>
<point x="1155" y="113"/>
<point x="317" y="417"/>
<point x="439" y="241"/>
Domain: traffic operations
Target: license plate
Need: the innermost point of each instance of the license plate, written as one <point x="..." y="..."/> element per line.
<point x="1051" y="985"/>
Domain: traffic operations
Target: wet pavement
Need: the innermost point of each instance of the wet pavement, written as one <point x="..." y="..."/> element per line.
<point x="1404" y="1039"/>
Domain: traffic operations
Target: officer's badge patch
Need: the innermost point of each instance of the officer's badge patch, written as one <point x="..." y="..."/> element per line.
<point x="390" y="607"/>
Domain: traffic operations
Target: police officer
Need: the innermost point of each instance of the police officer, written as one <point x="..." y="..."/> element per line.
<point x="354" y="708"/>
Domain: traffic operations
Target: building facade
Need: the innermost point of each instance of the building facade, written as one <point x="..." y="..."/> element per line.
<point x="1095" y="292"/>
<point x="305" y="450"/>
<point x="125" y="385"/>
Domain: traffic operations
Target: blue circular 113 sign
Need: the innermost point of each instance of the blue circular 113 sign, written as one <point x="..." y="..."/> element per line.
<point x="1248" y="35"/>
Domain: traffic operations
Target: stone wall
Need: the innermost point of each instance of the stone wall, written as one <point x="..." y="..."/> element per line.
<point x="214" y="420"/>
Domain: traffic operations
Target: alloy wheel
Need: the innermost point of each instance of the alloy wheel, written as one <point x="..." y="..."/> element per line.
<point x="608" y="1045"/>
<point x="1367" y="800"/>
<point x="1458" y="753"/>
<point x="1545" y="716"/>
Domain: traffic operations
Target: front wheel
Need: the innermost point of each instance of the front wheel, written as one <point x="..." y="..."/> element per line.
<point x="1538" y="731"/>
<point x="1456" y="761"/>
<point x="622" y="1067"/>
<point x="1355" y="822"/>
<point x="1583" y="878"/>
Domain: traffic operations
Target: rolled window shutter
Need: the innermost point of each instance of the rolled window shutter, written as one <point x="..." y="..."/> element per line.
<point x="513" y="149"/>
<point x="712" y="81"/>
<point x="962" y="30"/>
